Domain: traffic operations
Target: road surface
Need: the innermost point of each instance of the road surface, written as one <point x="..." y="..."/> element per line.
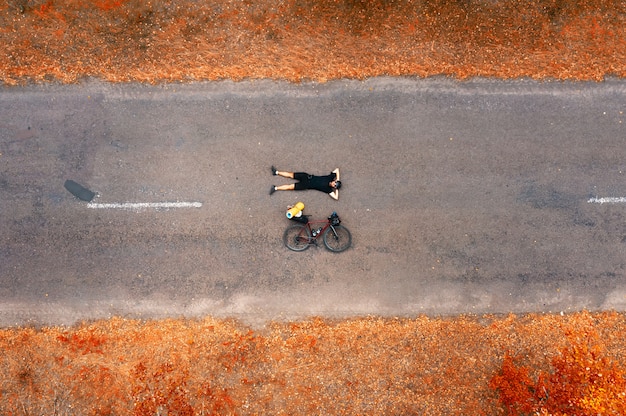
<point x="462" y="197"/>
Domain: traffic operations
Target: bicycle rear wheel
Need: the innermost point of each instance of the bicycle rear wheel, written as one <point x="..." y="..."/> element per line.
<point x="297" y="237"/>
<point x="337" y="240"/>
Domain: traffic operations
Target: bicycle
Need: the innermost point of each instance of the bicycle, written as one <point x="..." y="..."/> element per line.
<point x="336" y="237"/>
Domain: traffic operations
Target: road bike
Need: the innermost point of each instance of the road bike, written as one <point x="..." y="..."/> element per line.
<point x="336" y="237"/>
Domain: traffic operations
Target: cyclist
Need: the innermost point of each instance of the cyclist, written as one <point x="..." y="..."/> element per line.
<point x="329" y="184"/>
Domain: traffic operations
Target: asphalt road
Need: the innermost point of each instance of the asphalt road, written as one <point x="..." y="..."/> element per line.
<point x="467" y="197"/>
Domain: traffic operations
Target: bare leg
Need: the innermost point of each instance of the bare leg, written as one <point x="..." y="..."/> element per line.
<point x="289" y="187"/>
<point x="284" y="174"/>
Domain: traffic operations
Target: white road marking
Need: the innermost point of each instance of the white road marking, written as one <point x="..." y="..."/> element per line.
<point x="610" y="200"/>
<point x="145" y="205"/>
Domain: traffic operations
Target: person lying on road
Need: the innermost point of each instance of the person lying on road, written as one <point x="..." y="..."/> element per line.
<point x="328" y="184"/>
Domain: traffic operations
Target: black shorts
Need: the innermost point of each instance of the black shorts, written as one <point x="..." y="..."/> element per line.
<point x="303" y="181"/>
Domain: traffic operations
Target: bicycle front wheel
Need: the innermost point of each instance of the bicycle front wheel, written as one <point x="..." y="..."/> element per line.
<point x="297" y="237"/>
<point x="337" y="238"/>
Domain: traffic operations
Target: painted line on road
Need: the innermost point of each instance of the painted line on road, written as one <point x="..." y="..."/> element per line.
<point x="145" y="205"/>
<point x="609" y="200"/>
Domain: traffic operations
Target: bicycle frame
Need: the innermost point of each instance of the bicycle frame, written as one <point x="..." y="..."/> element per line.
<point x="317" y="228"/>
<point x="336" y="237"/>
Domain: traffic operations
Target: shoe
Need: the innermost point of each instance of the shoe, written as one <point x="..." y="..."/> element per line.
<point x="272" y="189"/>
<point x="273" y="170"/>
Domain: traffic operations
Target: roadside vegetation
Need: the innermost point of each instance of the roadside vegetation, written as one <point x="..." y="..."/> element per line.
<point x="319" y="40"/>
<point x="467" y="365"/>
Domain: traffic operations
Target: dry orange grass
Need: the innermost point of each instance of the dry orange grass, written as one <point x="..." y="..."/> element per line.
<point x="371" y="366"/>
<point x="184" y="40"/>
